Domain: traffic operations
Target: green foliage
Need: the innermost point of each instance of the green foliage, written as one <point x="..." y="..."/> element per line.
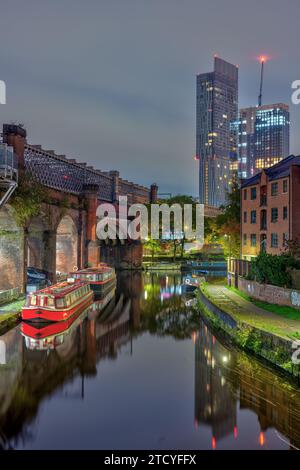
<point x="174" y="244"/>
<point x="273" y="269"/>
<point x="27" y="199"/>
<point x="293" y="248"/>
<point x="225" y="228"/>
<point x="153" y="246"/>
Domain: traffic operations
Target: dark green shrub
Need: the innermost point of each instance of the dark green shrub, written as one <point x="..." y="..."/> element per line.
<point x="273" y="269"/>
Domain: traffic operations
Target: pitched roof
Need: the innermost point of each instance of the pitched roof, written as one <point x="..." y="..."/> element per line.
<point x="280" y="170"/>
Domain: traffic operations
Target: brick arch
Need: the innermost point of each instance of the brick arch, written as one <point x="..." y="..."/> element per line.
<point x="67" y="242"/>
<point x="59" y="217"/>
<point x="11" y="250"/>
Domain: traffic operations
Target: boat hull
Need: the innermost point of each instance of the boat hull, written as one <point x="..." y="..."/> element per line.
<point x="40" y="314"/>
<point x="102" y="287"/>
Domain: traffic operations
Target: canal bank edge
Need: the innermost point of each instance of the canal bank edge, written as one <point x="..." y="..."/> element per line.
<point x="273" y="349"/>
<point x="8" y="321"/>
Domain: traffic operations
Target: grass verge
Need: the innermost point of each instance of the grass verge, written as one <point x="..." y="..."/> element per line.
<point x="282" y="310"/>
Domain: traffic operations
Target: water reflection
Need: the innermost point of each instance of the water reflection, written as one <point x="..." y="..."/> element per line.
<point x="140" y="369"/>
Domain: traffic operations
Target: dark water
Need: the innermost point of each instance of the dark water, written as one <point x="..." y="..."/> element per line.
<point x="141" y="372"/>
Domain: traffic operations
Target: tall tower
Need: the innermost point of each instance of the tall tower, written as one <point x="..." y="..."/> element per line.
<point x="216" y="108"/>
<point x="264" y="136"/>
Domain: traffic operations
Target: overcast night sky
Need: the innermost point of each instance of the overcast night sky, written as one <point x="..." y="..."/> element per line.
<point x="113" y="82"/>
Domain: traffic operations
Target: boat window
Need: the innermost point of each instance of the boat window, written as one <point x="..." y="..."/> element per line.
<point x="60" y="303"/>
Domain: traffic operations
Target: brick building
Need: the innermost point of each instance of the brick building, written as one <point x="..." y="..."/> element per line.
<point x="270" y="208"/>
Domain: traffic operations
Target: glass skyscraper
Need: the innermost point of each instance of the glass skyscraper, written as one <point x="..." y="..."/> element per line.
<point x="216" y="108"/>
<point x="263" y="134"/>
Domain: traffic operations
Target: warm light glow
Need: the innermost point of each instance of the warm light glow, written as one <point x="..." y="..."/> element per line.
<point x="196" y="158"/>
<point x="213" y="442"/>
<point x="261" y="439"/>
<point x="235" y="432"/>
<point x="263" y="58"/>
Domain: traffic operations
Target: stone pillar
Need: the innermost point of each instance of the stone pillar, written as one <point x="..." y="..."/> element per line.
<point x="153" y="193"/>
<point x="50" y="254"/>
<point x="15" y="136"/>
<point x="116" y="185"/>
<point x="131" y="256"/>
<point x="92" y="244"/>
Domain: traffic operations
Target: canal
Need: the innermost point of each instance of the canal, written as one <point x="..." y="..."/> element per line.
<point x="140" y="370"/>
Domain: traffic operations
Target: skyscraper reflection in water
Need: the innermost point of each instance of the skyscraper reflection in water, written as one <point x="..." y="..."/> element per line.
<point x="215" y="396"/>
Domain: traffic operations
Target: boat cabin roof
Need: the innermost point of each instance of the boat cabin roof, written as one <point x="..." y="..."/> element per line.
<point x="61" y="289"/>
<point x="99" y="270"/>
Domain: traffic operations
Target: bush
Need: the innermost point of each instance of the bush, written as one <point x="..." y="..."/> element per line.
<point x="273" y="269"/>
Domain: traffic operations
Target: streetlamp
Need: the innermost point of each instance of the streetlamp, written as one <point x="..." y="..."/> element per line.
<point x="229" y="239"/>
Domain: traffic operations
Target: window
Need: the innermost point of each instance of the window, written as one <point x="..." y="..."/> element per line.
<point x="285" y="239"/>
<point x="274" y="240"/>
<point x="285" y="212"/>
<point x="60" y="302"/>
<point x="274" y="189"/>
<point x="253" y="217"/>
<point x="253" y="239"/>
<point x="245" y="217"/>
<point x="245" y="194"/>
<point x="245" y="239"/>
<point x="285" y="186"/>
<point x="253" y="193"/>
<point x="274" y="214"/>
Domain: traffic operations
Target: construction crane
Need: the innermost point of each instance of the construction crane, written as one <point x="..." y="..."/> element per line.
<point x="262" y="60"/>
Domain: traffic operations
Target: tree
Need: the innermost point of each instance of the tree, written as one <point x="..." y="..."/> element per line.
<point x="153" y="246"/>
<point x="181" y="199"/>
<point x="292" y="248"/>
<point x="226" y="227"/>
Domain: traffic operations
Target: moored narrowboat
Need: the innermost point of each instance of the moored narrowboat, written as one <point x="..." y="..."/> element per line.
<point x="45" y="336"/>
<point x="58" y="302"/>
<point x="101" y="279"/>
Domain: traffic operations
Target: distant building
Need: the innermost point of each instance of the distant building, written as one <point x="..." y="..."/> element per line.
<point x="217" y="107"/>
<point x="270" y="209"/>
<point x="263" y="135"/>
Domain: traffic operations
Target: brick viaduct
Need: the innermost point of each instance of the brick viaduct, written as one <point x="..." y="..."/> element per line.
<point x="63" y="234"/>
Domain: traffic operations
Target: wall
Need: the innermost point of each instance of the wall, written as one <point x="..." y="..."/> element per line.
<point x="272" y="294"/>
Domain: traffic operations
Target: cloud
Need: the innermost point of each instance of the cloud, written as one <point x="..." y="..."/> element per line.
<point x="113" y="82"/>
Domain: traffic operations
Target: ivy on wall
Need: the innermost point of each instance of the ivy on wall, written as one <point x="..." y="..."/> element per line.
<point x="27" y="199"/>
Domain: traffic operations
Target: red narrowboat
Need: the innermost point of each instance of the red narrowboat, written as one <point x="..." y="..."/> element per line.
<point x="43" y="336"/>
<point x="58" y="302"/>
<point x="101" y="279"/>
